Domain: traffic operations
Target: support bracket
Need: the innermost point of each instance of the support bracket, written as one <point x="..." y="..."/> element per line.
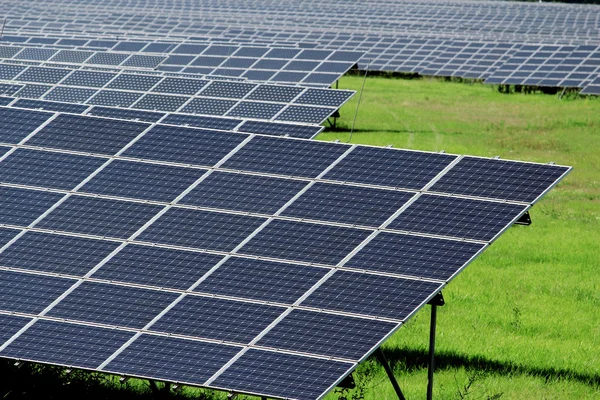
<point x="525" y="219"/>
<point x="437" y="300"/>
<point x="388" y="370"/>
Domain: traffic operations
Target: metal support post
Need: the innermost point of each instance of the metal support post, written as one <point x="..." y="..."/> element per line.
<point x="438" y="300"/>
<point x="381" y="357"/>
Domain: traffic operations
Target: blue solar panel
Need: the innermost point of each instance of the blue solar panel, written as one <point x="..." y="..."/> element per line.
<point x="66" y="344"/>
<point x="15" y="125"/>
<point x="28" y="293"/>
<point x="261" y="280"/>
<point x="272" y="373"/>
<point x="112" y="305"/>
<point x="184" y="145"/>
<point x="43" y="75"/>
<point x="55" y="253"/>
<point x="499" y="179"/>
<point x="99" y="217"/>
<point x="201" y="229"/>
<point x="285" y="157"/>
<point x="414" y="255"/>
<point x="388" y="167"/>
<point x="299" y="241"/>
<point x="373" y="295"/>
<point x="172" y="359"/>
<point x="204" y="317"/>
<point x="70" y="94"/>
<point x="154" y="266"/>
<point x="461" y="218"/>
<point x="47" y="169"/>
<point x="22" y="206"/>
<point x="134" y="82"/>
<point x="239" y="192"/>
<point x="180" y="86"/>
<point x="347" y="204"/>
<point x="142" y="181"/>
<point x="88" y="78"/>
<point x="326" y="334"/>
<point x="87" y="134"/>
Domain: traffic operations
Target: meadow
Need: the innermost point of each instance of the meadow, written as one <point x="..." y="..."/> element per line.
<point x="523" y="320"/>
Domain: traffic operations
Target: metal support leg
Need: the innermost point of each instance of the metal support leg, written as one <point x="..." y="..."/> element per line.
<point x="438" y="300"/>
<point x="390" y="373"/>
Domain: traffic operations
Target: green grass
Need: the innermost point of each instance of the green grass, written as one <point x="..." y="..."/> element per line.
<point x="523" y="320"/>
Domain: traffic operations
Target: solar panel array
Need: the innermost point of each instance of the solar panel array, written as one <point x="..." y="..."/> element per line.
<point x="174" y="94"/>
<point x="388" y="32"/>
<point x="183" y="228"/>
<point x="194" y="255"/>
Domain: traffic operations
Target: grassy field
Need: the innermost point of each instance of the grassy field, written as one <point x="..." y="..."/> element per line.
<point x="523" y="320"/>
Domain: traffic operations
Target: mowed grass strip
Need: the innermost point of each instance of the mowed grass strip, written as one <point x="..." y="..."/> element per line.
<point x="523" y="320"/>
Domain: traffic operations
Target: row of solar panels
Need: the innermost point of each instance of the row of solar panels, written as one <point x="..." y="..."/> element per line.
<point x="214" y="19"/>
<point x="497" y="62"/>
<point x="189" y="96"/>
<point x="242" y="262"/>
<point x="281" y="65"/>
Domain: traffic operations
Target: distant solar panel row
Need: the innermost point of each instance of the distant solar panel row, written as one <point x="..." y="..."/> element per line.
<point x="292" y="254"/>
<point x="278" y="65"/>
<point x="155" y="93"/>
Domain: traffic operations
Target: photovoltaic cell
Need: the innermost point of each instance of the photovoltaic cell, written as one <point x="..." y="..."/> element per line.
<point x="47" y="169"/>
<point x="307" y="114"/>
<point x="87" y="134"/>
<point x="22" y="207"/>
<point x="114" y="98"/>
<point x="55" y="253"/>
<point x="88" y="78"/>
<point x="285" y="157"/>
<point x="218" y="319"/>
<point x="15" y="125"/>
<point x="249" y="109"/>
<point x="8" y="72"/>
<point x="69" y="94"/>
<point x="300" y="241"/>
<point x="283" y="94"/>
<point x="324" y="97"/>
<point x="373" y="295"/>
<point x="180" y="86"/>
<point x="172" y="359"/>
<point x="142" y="181"/>
<point x="347" y="204"/>
<point x="112" y="305"/>
<point x="461" y="218"/>
<point x="282" y="375"/>
<point x="100" y="217"/>
<point x="66" y="344"/>
<point x="28" y="293"/>
<point x="184" y="145"/>
<point x="160" y="102"/>
<point x="414" y="255"/>
<point x="43" y="75"/>
<point x="499" y="179"/>
<point x="8" y="89"/>
<point x="239" y="192"/>
<point x="201" y="229"/>
<point x="208" y="106"/>
<point x="134" y="82"/>
<point x="32" y="91"/>
<point x="154" y="266"/>
<point x="388" y="167"/>
<point x="326" y="334"/>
